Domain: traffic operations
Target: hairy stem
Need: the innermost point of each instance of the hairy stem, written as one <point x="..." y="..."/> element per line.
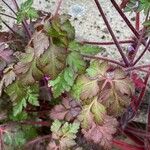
<point x="9" y="7"/>
<point x="8" y="16"/>
<point x="9" y="27"/>
<point x="105" y="59"/>
<point x="111" y="32"/>
<point x="146" y="48"/>
<point x="107" y="43"/>
<point x="137" y="21"/>
<point x="138" y="44"/>
<point x="137" y="67"/>
<point x="24" y="23"/>
<point x="58" y="7"/>
<point x="125" y="18"/>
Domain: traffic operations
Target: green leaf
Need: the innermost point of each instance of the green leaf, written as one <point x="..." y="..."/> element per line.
<point x="19" y="117"/>
<point x="16" y="136"/>
<point x="8" y="77"/>
<point x="63" y="82"/>
<point x="33" y="94"/>
<point x="65" y="132"/>
<point x="26" y="11"/>
<point x="21" y="94"/>
<point x="19" y="107"/>
<point x="84" y="88"/>
<point x="52" y="62"/>
<point x="27" y="68"/>
<point x="98" y="111"/>
<point x="84" y="49"/>
<point x="56" y="126"/>
<point x="93" y="112"/>
<point x="97" y="68"/>
<point x="75" y="61"/>
<point x="62" y="32"/>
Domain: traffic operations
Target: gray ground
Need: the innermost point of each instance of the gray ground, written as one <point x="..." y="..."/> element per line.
<point x="89" y="24"/>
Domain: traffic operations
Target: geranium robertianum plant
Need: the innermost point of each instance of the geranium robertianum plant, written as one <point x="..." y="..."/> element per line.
<point x="54" y="89"/>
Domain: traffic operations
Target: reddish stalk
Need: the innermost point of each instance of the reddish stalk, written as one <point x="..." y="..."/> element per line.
<point x="140" y="98"/>
<point x="125" y="18"/>
<point x="9" y="7"/>
<point x="8" y="27"/>
<point x="58" y="7"/>
<point x="8" y="16"/>
<point x="125" y="146"/>
<point x="105" y="59"/>
<point x="107" y="43"/>
<point x="111" y="32"/>
<point x="24" y="23"/>
<point x="38" y="139"/>
<point x="146" y="48"/>
<point x="42" y="123"/>
<point x="138" y="44"/>
<point x="137" y="21"/>
<point x="137" y="67"/>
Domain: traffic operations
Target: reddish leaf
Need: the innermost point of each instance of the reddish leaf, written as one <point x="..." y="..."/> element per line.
<point x="5" y="53"/>
<point x="68" y="110"/>
<point x="102" y="134"/>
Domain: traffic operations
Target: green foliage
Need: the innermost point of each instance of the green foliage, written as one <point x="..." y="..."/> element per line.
<point x="63" y="82"/>
<point x="20" y="95"/>
<point x="61" y="31"/>
<point x="52" y="61"/>
<point x="26" y="11"/>
<point x="137" y="6"/>
<point x="85" y="49"/>
<point x="84" y="88"/>
<point x="76" y="62"/>
<point x="93" y="112"/>
<point x="97" y="69"/>
<point x="17" y="136"/>
<point x="64" y="134"/>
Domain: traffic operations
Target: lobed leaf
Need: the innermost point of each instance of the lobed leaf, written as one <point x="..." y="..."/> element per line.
<point x="63" y="134"/>
<point x="102" y="134"/>
<point x="52" y="61"/>
<point x="84" y="88"/>
<point x="84" y="49"/>
<point x="26" y="11"/>
<point x="75" y="61"/>
<point x="93" y="112"/>
<point x="97" y="69"/>
<point x="63" y="82"/>
<point x="8" y="77"/>
<point x="20" y="95"/>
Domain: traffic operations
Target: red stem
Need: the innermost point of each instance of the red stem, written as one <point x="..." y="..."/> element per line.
<point x="105" y="59"/>
<point x="137" y="21"/>
<point x="125" y="146"/>
<point x="146" y="48"/>
<point x="138" y="44"/>
<point x="107" y="43"/>
<point x="58" y="7"/>
<point x="43" y="123"/>
<point x="127" y="20"/>
<point x="137" y="67"/>
<point x="8" y="27"/>
<point x="24" y="23"/>
<point x="9" y="7"/>
<point x="8" y="16"/>
<point x="111" y="32"/>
